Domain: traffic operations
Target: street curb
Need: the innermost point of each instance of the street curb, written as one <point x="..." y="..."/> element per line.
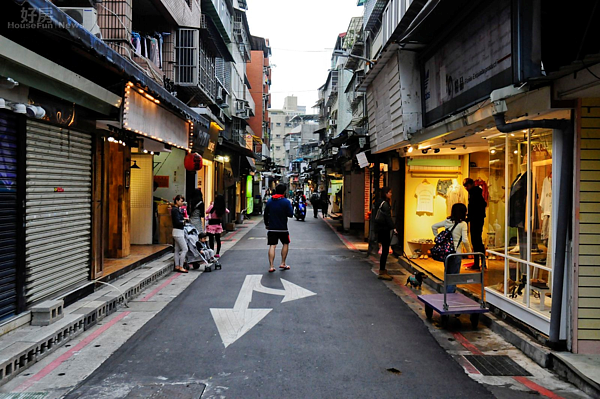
<point x="79" y="317"/>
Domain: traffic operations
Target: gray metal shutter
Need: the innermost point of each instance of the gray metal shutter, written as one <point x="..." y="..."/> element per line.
<point x="57" y="210"/>
<point x="8" y="214"/>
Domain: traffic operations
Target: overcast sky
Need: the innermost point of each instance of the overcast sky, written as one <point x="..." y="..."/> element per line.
<point x="302" y="34"/>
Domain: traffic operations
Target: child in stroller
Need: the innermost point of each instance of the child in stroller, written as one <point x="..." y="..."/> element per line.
<point x="198" y="251"/>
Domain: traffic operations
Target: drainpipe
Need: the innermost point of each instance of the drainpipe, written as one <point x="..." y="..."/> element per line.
<point x="564" y="155"/>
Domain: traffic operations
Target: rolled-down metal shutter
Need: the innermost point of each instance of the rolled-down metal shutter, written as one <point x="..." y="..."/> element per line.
<point x="8" y="214"/>
<point x="57" y="210"/>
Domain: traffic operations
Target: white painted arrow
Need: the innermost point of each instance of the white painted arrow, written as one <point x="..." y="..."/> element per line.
<point x="234" y="323"/>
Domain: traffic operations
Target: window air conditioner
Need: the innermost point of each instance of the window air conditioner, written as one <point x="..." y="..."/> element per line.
<point x="86" y="17"/>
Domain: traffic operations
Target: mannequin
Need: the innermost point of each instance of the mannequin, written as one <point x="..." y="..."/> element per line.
<point x="518" y="212"/>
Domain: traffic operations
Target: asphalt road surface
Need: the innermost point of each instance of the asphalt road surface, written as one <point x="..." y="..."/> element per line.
<point x="340" y="342"/>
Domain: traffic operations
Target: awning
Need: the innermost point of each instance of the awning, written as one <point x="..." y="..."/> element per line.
<point x="98" y="48"/>
<point x="38" y="72"/>
<point x="229" y="146"/>
<point x="251" y="163"/>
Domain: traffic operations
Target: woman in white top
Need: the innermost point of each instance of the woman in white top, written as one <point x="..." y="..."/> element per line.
<point x="459" y="237"/>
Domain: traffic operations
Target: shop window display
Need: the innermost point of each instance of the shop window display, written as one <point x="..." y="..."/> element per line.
<point x="521" y="211"/>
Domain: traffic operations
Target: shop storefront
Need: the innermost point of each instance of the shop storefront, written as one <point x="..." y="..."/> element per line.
<point x="515" y="172"/>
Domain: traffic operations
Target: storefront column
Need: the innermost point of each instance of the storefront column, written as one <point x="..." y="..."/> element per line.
<point x="116" y="201"/>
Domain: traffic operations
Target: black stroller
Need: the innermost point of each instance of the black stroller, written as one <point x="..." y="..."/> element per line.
<point x="194" y="256"/>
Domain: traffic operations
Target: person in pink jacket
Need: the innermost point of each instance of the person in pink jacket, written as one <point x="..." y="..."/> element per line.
<point x="214" y="228"/>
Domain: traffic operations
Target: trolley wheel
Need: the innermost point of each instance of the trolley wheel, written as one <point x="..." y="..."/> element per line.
<point x="445" y="321"/>
<point x="428" y="312"/>
<point x="208" y="269"/>
<point x="196" y="265"/>
<point x="217" y="266"/>
<point x="474" y="320"/>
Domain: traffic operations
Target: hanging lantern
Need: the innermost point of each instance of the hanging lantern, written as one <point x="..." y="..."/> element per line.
<point x="192" y="162"/>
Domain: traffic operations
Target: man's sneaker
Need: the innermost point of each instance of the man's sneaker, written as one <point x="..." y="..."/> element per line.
<point x="217" y="256"/>
<point x="472" y="267"/>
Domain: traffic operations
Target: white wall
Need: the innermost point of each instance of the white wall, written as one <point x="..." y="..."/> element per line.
<point x="171" y="164"/>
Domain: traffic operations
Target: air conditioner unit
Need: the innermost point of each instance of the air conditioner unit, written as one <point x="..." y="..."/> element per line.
<point x="86" y="17"/>
<point x="220" y="97"/>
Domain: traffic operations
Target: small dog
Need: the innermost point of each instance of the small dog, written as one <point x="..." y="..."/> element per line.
<point x="416" y="280"/>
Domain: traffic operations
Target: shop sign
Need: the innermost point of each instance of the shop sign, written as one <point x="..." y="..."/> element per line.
<point x="362" y="141"/>
<point x="361" y="157"/>
<point x="472" y="63"/>
<point x="211" y="146"/>
<point x="163" y="181"/>
<point x="143" y="114"/>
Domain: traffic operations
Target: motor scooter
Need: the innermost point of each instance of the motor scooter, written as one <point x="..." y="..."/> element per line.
<point x="299" y="209"/>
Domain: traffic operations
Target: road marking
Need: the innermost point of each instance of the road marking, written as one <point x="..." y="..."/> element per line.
<point x="235" y="322"/>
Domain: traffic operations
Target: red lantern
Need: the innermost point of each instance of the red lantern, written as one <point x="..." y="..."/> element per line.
<point x="192" y="161"/>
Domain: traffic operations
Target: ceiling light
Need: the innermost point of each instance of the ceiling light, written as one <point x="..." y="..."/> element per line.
<point x="453" y="148"/>
<point x="410" y="149"/>
<point x="465" y="146"/>
<point x="424" y="151"/>
<point x="492" y="151"/>
<point x="515" y="152"/>
<point x="436" y="150"/>
<point x="423" y="146"/>
<point x="493" y="135"/>
<point x="111" y="139"/>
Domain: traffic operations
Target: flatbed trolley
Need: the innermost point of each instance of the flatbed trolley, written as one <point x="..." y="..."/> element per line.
<point x="455" y="303"/>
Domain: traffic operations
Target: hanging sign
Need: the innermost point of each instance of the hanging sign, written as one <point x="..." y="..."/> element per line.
<point x="361" y="157"/>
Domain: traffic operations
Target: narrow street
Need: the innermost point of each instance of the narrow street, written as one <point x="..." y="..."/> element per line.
<point x="338" y="333"/>
<point x="337" y="343"/>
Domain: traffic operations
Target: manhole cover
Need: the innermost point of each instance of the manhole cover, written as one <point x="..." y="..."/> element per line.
<point x="167" y="391"/>
<point x="496" y="365"/>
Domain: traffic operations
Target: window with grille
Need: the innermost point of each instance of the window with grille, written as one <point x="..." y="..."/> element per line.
<point x="186" y="66"/>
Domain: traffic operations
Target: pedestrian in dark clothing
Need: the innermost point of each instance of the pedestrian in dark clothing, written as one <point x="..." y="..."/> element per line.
<point x="276" y="214"/>
<point x="316" y="203"/>
<point x="324" y="201"/>
<point x="384" y="226"/>
<point x="476" y="218"/>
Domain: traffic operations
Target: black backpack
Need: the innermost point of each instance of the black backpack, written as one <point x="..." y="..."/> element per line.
<point x="314" y="198"/>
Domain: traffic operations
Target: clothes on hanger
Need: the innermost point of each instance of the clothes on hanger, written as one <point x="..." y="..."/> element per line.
<point x="443" y="186"/>
<point x="484" y="189"/>
<point x="424" y="194"/>
<point x="455" y="194"/>
<point x="136" y="40"/>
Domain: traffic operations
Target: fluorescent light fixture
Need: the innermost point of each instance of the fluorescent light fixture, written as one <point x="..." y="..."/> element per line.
<point x="423" y="146"/>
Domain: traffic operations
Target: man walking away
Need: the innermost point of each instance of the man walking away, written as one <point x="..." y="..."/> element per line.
<point x="277" y="212"/>
<point x="314" y="201"/>
<point x="476" y="217"/>
<point x="324" y="201"/>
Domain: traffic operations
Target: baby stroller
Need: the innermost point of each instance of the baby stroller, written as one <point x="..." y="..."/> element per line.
<point x="194" y="256"/>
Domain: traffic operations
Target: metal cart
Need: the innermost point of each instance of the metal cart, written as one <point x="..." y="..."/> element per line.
<point x="455" y="303"/>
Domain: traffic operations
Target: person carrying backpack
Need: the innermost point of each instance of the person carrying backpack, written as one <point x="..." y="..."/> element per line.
<point x="456" y="226"/>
